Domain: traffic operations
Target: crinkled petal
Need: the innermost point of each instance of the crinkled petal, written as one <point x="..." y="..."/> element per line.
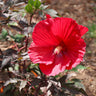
<point x="48" y="16"/>
<point x="56" y="67"/>
<point x="42" y="35"/>
<point x="76" y="53"/>
<point x="65" y="29"/>
<point x="41" y="54"/>
<point x="52" y="31"/>
<point x="83" y="30"/>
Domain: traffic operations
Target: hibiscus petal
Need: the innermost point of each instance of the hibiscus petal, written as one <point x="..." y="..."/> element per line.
<point x="48" y="16"/>
<point x="41" y="54"/>
<point x="83" y="30"/>
<point x="65" y="29"/>
<point x="55" y="68"/>
<point x="52" y="31"/>
<point x="76" y="53"/>
<point x="42" y="35"/>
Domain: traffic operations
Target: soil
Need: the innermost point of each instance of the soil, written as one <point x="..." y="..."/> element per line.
<point x="80" y="10"/>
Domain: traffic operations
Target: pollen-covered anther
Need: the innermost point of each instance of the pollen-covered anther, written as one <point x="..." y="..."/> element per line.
<point x="57" y="49"/>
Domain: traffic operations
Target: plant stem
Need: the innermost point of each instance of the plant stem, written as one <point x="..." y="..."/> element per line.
<point x="21" y="48"/>
<point x="31" y="16"/>
<point x="26" y="43"/>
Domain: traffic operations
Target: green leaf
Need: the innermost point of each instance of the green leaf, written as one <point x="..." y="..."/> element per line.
<point x="76" y="80"/>
<point x="33" y="65"/>
<point x="76" y="68"/>
<point x="79" y="85"/>
<point x="29" y="8"/>
<point x="31" y="2"/>
<point x="57" y="76"/>
<point x="37" y="4"/>
<point x="19" y="37"/>
<point x="80" y="67"/>
<point x="69" y="81"/>
<point x="23" y="14"/>
<point x="1" y="37"/>
<point x="13" y="23"/>
<point x="65" y="70"/>
<point x="89" y="52"/>
<point x="92" y="30"/>
<point x="16" y="67"/>
<point x="4" y="33"/>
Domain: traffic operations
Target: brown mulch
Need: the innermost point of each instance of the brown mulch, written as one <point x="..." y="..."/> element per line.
<point x="80" y="10"/>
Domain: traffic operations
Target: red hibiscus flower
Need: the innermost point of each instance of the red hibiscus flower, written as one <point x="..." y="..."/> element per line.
<point x="57" y="45"/>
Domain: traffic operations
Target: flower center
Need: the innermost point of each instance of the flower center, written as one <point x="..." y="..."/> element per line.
<point x="58" y="49"/>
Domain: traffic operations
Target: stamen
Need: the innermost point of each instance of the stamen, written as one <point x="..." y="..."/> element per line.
<point x="57" y="49"/>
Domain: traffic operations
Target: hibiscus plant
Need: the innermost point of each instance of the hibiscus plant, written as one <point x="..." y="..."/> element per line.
<point x="41" y="65"/>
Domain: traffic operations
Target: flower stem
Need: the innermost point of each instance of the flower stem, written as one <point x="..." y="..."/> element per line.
<point x="31" y="16"/>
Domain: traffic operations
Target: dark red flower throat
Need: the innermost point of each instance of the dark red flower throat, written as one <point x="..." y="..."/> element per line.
<point x="60" y="48"/>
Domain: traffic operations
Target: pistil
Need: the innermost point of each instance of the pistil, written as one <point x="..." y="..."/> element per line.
<point x="58" y="49"/>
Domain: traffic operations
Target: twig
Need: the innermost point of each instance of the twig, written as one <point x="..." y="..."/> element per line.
<point x="31" y="16"/>
<point x="21" y="48"/>
<point x="26" y="43"/>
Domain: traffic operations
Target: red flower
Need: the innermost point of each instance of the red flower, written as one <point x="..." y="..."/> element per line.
<point x="57" y="45"/>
